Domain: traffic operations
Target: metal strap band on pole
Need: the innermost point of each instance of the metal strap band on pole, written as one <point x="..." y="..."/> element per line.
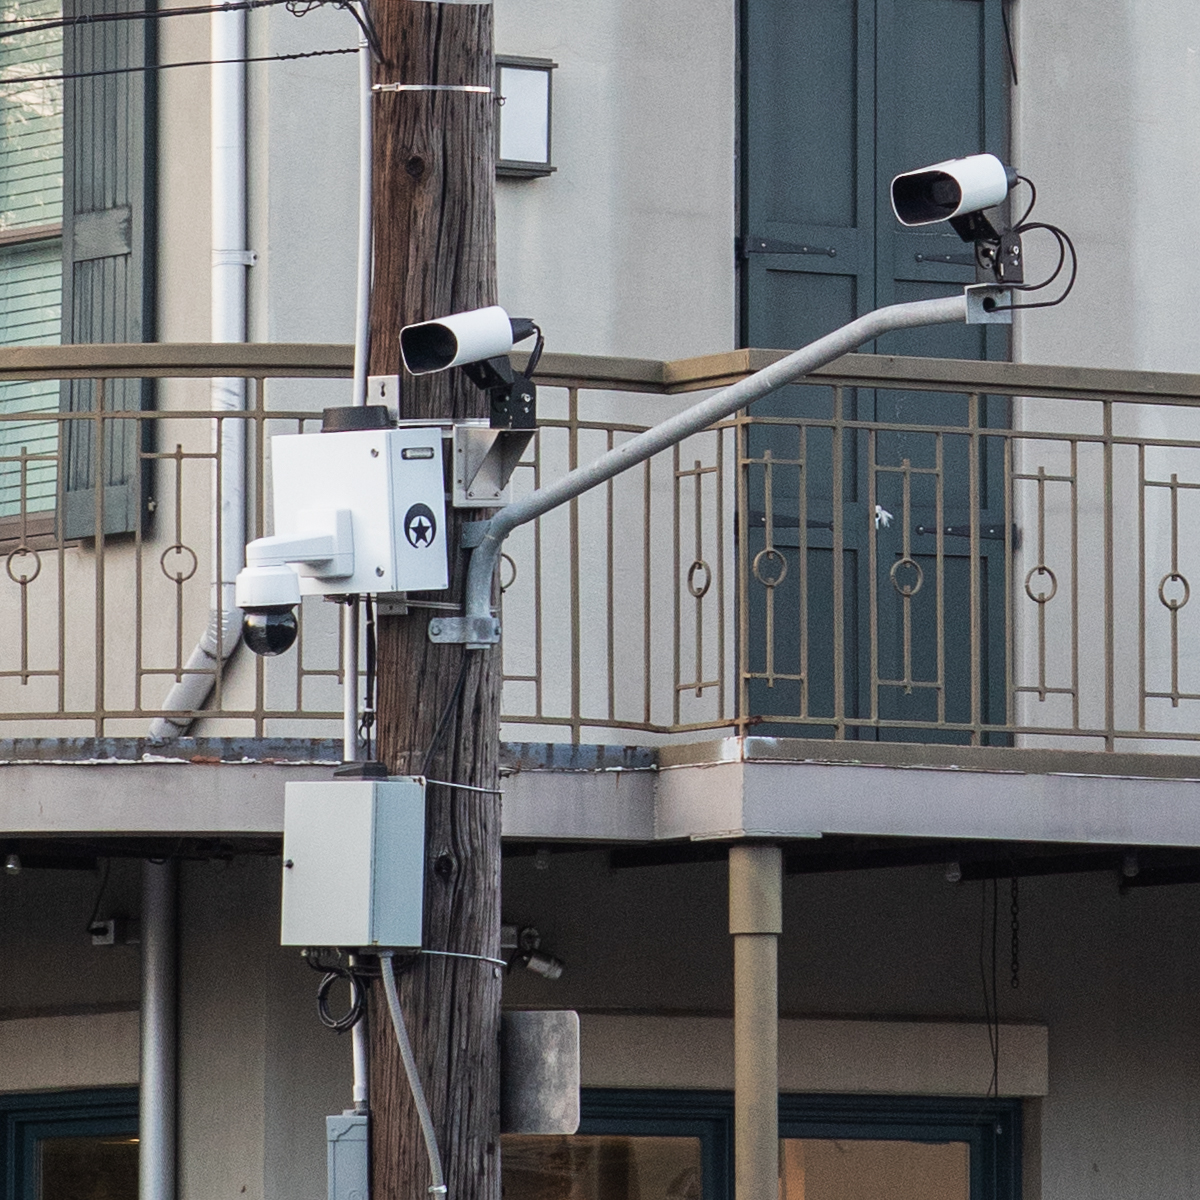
<point x="431" y="87"/>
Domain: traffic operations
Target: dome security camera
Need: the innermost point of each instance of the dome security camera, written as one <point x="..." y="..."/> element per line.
<point x="270" y="631"/>
<point x="267" y="596"/>
<point x="954" y="188"/>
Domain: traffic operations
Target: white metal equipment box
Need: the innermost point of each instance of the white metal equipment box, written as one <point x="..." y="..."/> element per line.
<point x="391" y="482"/>
<point x="353" y="863"/>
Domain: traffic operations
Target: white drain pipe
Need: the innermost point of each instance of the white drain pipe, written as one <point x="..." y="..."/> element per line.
<point x="158" y="1077"/>
<point x="230" y="261"/>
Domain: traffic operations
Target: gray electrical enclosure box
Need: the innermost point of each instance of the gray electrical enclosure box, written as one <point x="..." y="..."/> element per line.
<point x="353" y="863"/>
<point x="349" y="1170"/>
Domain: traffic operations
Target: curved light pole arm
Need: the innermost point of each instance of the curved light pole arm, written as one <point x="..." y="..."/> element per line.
<point x="479" y="628"/>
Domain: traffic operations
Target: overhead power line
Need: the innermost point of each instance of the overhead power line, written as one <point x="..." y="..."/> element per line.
<point x="298" y="8"/>
<point x="19" y="27"/>
<point x="200" y="62"/>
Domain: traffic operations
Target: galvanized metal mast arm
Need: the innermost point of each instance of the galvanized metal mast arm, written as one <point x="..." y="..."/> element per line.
<point x="479" y="628"/>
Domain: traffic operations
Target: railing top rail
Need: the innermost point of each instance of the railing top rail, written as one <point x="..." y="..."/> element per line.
<point x="177" y="360"/>
<point x="645" y="375"/>
<point x="874" y="370"/>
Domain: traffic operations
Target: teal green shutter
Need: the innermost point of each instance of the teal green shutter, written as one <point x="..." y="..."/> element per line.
<point x="838" y="96"/>
<point x="108" y="291"/>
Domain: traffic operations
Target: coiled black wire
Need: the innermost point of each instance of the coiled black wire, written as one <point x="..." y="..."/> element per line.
<point x="358" y="999"/>
<point x="357" y="976"/>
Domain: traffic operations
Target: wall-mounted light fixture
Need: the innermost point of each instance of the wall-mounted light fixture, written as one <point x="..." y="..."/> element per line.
<point x="523" y="122"/>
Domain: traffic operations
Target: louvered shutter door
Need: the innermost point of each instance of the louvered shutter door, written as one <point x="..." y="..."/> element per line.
<point x="30" y="271"/>
<point x="107" y="255"/>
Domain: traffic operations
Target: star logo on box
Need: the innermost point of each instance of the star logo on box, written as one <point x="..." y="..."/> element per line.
<point x="420" y="526"/>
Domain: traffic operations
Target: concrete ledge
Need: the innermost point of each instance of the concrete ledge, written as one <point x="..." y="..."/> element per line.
<point x="148" y="798"/>
<point x="722" y="790"/>
<point x="921" y="1058"/>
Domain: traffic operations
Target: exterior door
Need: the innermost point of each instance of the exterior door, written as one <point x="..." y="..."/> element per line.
<point x="838" y="97"/>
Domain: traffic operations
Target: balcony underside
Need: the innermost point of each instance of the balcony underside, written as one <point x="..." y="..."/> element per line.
<point x="675" y="797"/>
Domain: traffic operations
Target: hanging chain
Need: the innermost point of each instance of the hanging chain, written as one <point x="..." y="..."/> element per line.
<point x="1015" y="909"/>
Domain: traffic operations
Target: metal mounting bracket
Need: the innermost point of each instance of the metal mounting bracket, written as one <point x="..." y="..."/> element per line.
<point x="988" y="305"/>
<point x="484" y="460"/>
<point x="476" y="633"/>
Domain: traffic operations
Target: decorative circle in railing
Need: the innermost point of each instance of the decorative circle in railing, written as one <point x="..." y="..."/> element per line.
<point x="769" y="555"/>
<point x="14" y="572"/>
<point x="907" y="588"/>
<point x="698" y="567"/>
<point x="1174" y="603"/>
<point x="504" y="558"/>
<point x="1041" y="597"/>
<point x="183" y="552"/>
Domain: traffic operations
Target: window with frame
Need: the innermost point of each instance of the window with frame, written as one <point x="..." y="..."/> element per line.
<point x="70" y="1145"/>
<point x="31" y="193"/>
<point x="660" y="1145"/>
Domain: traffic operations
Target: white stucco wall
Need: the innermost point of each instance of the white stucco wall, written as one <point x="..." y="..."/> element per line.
<point x="1104" y="122"/>
<point x="628" y="248"/>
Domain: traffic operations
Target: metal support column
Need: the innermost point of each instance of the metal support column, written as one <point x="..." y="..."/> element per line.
<point x="156" y="1096"/>
<point x="755" y="921"/>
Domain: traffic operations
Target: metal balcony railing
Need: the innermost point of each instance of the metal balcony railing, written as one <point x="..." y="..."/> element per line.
<point x="896" y="549"/>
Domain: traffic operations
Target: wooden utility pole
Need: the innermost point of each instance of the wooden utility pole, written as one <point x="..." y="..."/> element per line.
<point x="434" y="225"/>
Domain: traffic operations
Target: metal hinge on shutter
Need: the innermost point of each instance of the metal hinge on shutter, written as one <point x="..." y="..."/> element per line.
<point x="749" y="245"/>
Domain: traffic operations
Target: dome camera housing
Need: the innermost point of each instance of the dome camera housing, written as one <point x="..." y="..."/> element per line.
<point x="270" y="631"/>
<point x="268" y="597"/>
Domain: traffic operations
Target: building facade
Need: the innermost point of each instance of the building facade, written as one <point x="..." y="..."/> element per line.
<point x="964" y="551"/>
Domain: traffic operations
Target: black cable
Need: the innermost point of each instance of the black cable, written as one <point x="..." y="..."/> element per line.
<point x="145" y="14"/>
<point x="1062" y="237"/>
<point x="990" y="1011"/>
<point x="1062" y="258"/>
<point x="1008" y="42"/>
<point x="444" y="720"/>
<point x="1032" y="198"/>
<point x="99" y="896"/>
<point x="367" y="27"/>
<point x="366" y="722"/>
<point x="536" y="356"/>
<point x="202" y="62"/>
<point x="297" y="8"/>
<point x="358" y="998"/>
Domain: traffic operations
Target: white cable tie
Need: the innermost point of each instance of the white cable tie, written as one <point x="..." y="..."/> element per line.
<point x="431" y="87"/>
<point x="458" y="954"/>
<point x="466" y="787"/>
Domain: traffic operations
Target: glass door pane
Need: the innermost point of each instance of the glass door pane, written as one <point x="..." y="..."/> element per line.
<point x="863" y="1169"/>
<point x="582" y="1167"/>
<point x="88" y="1168"/>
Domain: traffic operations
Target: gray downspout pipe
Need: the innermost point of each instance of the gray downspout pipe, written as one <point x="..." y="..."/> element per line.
<point x="230" y="262"/>
<point x="670" y="432"/>
<point x="157" y="1081"/>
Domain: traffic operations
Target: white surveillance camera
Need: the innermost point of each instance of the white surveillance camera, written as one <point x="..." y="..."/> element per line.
<point x="267" y="596"/>
<point x="267" y="589"/>
<point x="950" y="189"/>
<point x="460" y="339"/>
